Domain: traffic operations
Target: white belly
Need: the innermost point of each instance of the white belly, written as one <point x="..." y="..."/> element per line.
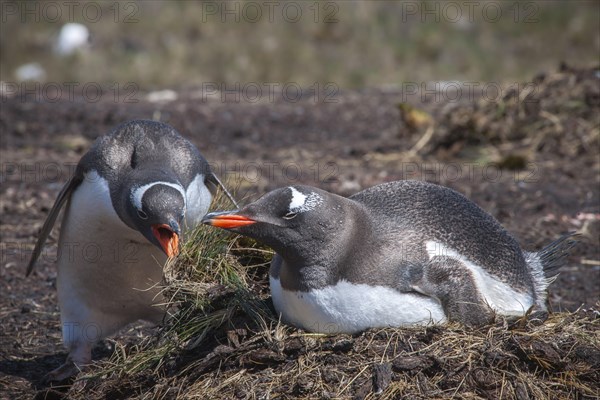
<point x="107" y="272"/>
<point x="348" y="308"/>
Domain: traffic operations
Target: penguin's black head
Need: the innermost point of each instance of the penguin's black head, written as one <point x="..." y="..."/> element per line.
<point x="286" y="218"/>
<point x="157" y="210"/>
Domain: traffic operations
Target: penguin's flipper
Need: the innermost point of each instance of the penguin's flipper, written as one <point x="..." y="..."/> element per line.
<point x="215" y="183"/>
<point x="63" y="196"/>
<point x="451" y="282"/>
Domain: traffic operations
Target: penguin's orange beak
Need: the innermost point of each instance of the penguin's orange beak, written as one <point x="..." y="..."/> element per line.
<point x="168" y="239"/>
<point x="226" y="220"/>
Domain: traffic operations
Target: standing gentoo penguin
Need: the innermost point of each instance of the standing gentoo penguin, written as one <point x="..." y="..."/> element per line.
<point x="132" y="196"/>
<point x="397" y="254"/>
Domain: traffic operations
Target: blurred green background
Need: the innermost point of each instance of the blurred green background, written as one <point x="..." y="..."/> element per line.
<point x="354" y="44"/>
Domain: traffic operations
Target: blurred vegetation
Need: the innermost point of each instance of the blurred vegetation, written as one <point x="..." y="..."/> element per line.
<point x="354" y="44"/>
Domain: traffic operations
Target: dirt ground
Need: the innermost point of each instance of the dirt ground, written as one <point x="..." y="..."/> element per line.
<point x="531" y="159"/>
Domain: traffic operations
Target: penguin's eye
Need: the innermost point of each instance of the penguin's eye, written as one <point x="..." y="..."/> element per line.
<point x="142" y="214"/>
<point x="290" y="215"/>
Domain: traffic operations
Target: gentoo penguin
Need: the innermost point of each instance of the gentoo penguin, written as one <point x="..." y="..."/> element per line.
<point x="397" y="254"/>
<point x="132" y="196"/>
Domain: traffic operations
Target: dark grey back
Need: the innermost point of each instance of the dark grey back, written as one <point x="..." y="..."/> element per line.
<point x="406" y="214"/>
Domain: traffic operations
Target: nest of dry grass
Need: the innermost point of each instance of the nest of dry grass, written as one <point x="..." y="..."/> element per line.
<point x="559" y="358"/>
<point x="223" y="341"/>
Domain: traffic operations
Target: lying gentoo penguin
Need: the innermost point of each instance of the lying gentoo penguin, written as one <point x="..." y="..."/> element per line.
<point x="132" y="196"/>
<point x="397" y="254"/>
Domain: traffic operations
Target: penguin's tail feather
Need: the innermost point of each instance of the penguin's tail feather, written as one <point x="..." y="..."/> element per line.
<point x="552" y="256"/>
<point x="545" y="265"/>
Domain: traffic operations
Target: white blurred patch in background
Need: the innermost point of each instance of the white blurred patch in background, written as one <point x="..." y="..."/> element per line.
<point x="72" y="37"/>
<point x="30" y="72"/>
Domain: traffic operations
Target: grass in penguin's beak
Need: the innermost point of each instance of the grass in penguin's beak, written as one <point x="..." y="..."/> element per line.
<point x="169" y="240"/>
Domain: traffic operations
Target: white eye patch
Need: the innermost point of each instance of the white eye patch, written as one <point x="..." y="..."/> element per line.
<point x="301" y="202"/>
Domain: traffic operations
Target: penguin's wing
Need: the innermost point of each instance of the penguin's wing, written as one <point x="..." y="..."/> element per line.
<point x="63" y="196"/>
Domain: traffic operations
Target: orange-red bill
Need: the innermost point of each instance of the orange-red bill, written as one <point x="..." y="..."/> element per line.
<point x="228" y="221"/>
<point x="169" y="240"/>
